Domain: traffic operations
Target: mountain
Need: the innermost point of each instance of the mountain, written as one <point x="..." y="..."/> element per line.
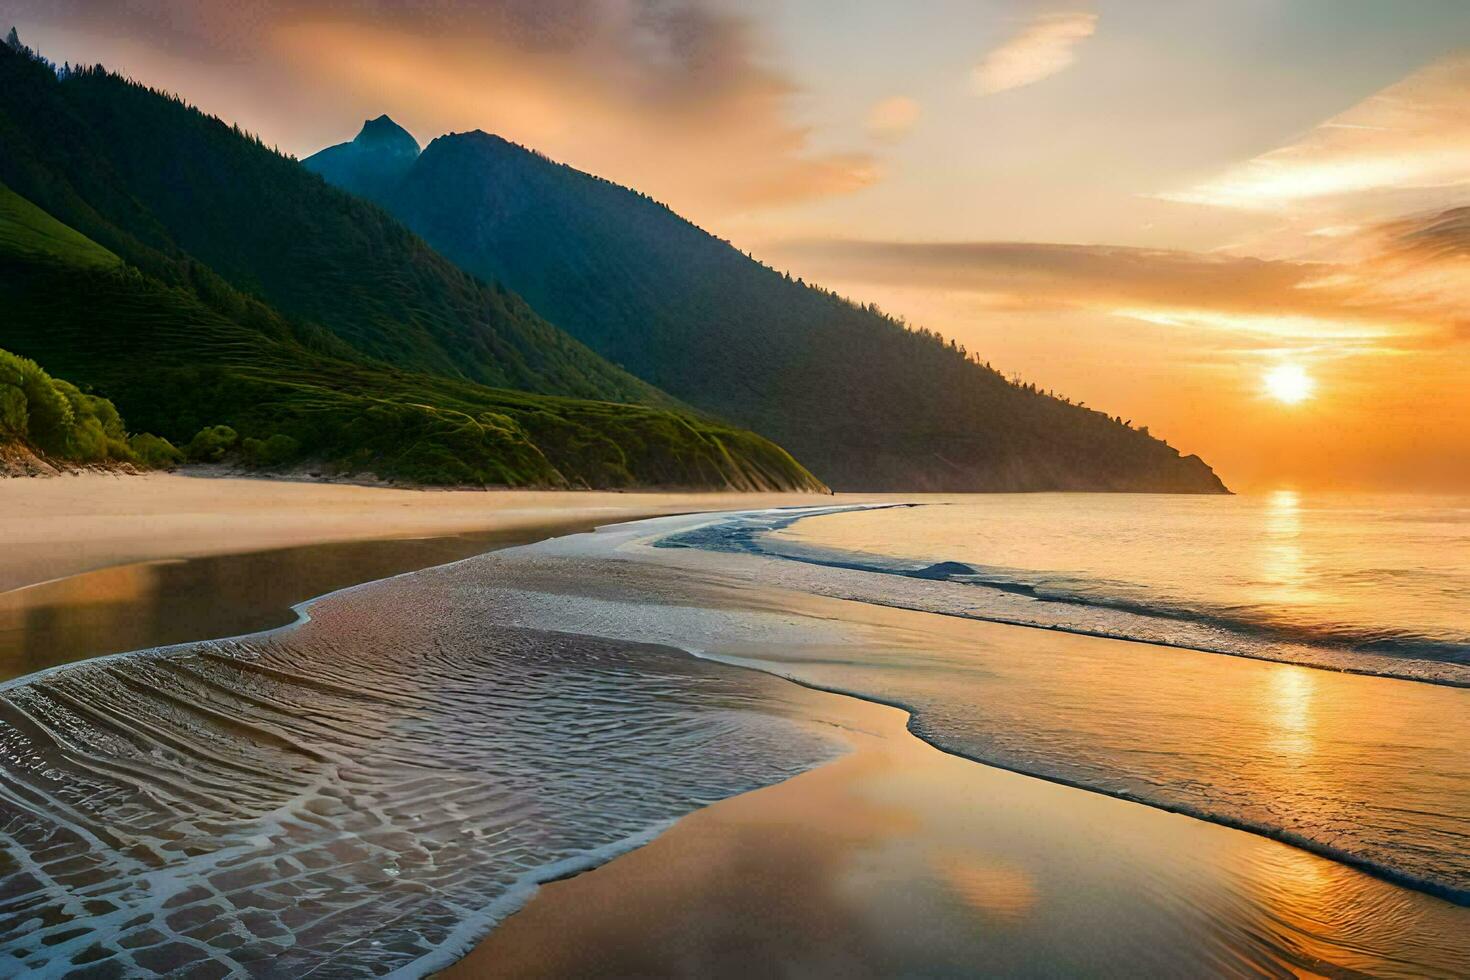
<point x="175" y="364"/>
<point x="186" y="198"/>
<point x="157" y="257"/>
<point x="372" y="163"/>
<point x="865" y="402"/>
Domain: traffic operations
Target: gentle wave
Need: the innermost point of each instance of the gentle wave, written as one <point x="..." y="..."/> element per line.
<point x="363" y="794"/>
<point x="1028" y="598"/>
<point x="1379" y="781"/>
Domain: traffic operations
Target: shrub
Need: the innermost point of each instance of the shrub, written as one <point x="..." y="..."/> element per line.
<point x="211" y="443"/>
<point x="56" y="416"/>
<point x="278" y="450"/>
<point x="154" y="452"/>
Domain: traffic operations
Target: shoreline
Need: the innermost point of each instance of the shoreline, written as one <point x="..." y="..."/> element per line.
<point x="691" y="578"/>
<point x="898" y="583"/>
<point x="715" y="867"/>
<point x="96" y="564"/>
<point x="65" y="526"/>
<point x="797" y="878"/>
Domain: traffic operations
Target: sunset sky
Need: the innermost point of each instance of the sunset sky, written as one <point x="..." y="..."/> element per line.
<point x="1153" y="206"/>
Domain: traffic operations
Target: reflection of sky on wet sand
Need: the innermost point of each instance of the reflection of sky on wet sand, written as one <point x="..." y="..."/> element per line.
<point x="992" y="867"/>
<point x="147" y="604"/>
<point x="900" y="859"/>
<point x="1002" y="894"/>
<point x="1019" y="874"/>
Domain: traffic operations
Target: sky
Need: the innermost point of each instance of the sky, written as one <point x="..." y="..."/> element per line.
<point x="1161" y="208"/>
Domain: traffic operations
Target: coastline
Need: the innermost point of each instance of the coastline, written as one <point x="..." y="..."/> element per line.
<point x="97" y="564"/>
<point x="900" y="858"/>
<point x="63" y="526"/>
<point x="1256" y="884"/>
<point x="1007" y="862"/>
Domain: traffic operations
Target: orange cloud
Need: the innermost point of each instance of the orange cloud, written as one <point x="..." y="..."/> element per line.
<point x="677" y="99"/>
<point x="1404" y="290"/>
<point x="1046" y="47"/>
<point x="1184" y="339"/>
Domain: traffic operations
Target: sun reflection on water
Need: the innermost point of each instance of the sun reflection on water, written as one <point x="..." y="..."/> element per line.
<point x="1283" y="569"/>
<point x="1292" y="700"/>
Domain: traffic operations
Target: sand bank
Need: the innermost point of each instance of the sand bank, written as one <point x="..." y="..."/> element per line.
<point x="97" y="563"/>
<point x="65" y="525"/>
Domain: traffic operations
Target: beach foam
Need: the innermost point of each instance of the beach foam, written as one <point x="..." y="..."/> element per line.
<point x="363" y="794"/>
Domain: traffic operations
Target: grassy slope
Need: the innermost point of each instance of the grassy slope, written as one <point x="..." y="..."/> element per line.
<point x="29" y="232"/>
<point x="173" y="365"/>
<point x="865" y="402"/>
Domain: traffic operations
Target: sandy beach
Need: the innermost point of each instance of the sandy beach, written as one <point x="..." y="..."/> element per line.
<point x="65" y="525"/>
<point x="97" y="563"/>
<point x="580" y="734"/>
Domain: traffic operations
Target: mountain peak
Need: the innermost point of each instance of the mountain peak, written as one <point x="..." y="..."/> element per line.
<point x="383" y="133"/>
<point x="374" y="161"/>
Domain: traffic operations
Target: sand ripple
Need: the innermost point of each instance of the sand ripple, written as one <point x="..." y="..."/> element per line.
<point x="362" y="794"/>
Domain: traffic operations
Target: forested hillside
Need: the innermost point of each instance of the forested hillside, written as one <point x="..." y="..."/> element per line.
<point x="865" y="402"/>
<point x="188" y="199"/>
<point x="378" y="371"/>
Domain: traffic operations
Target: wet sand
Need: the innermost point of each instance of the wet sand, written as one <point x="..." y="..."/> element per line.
<point x="173" y="600"/>
<point x="898" y="859"/>
<point x="99" y="563"/>
<point x="66" y="525"/>
<point x="902" y="859"/>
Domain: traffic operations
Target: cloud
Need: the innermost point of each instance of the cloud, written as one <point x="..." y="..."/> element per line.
<point x="675" y="97"/>
<point x="1381" y="154"/>
<point x="1405" y="289"/>
<point x="1046" y="47"/>
<point x="892" y="119"/>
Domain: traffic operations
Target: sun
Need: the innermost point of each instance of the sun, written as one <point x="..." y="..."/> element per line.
<point x="1289" y="383"/>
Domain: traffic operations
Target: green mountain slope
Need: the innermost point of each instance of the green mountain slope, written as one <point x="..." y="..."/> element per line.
<point x="27" y="231"/>
<point x="863" y="401"/>
<point x="197" y="278"/>
<point x="188" y="199"/>
<point x="174" y="365"/>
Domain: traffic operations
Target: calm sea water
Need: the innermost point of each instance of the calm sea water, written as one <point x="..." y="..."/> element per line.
<point x="1370" y="770"/>
<point x="1354" y="575"/>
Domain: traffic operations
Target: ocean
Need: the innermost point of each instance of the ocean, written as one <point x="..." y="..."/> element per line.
<point x="1355" y="574"/>
<point x="1277" y="736"/>
<point x="373" y="789"/>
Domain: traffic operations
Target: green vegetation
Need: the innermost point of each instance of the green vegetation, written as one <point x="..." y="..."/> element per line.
<point x="211" y="444"/>
<point x="260" y="316"/>
<point x="278" y="450"/>
<point x="28" y="231"/>
<point x="194" y="202"/>
<point x="178" y="368"/>
<point x="61" y="422"/>
<point x="154" y="452"/>
<point x="859" y="397"/>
